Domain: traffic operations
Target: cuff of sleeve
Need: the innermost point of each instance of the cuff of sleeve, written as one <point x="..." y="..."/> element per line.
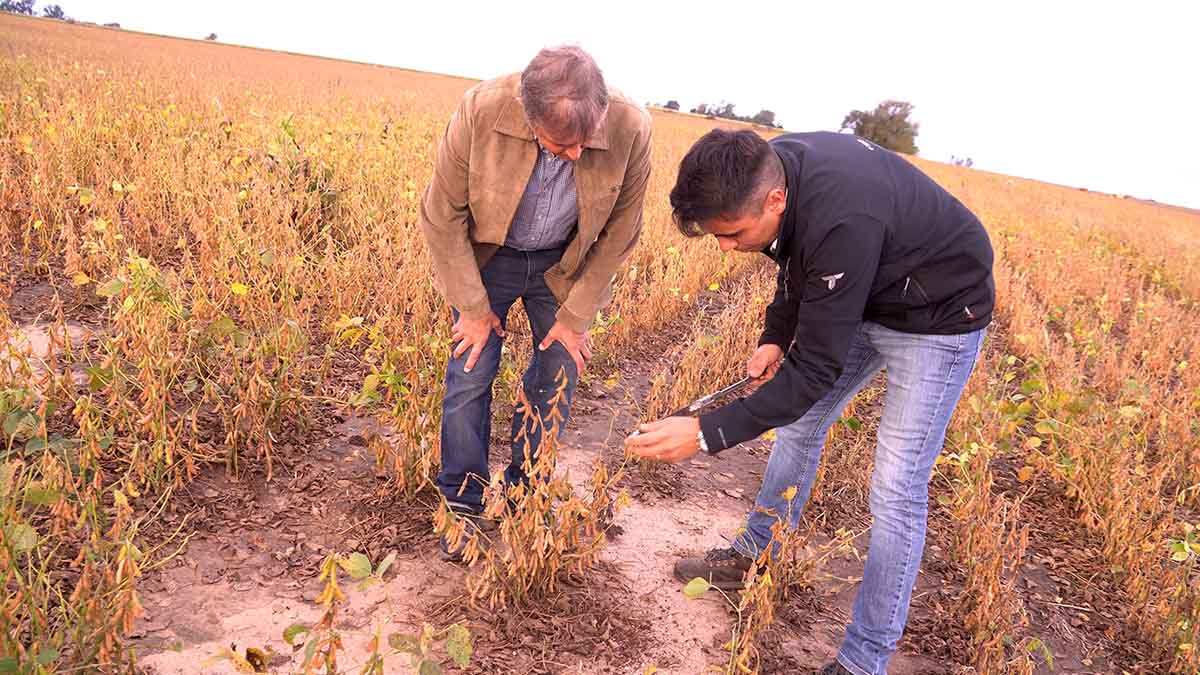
<point x="475" y="310"/>
<point x="729" y="425"/>
<point x="769" y="338"/>
<point x="572" y="320"/>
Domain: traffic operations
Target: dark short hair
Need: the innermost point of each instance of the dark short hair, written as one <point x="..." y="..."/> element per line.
<point x="724" y="175"/>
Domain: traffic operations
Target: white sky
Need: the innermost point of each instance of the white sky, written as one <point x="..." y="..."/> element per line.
<point x="1093" y="94"/>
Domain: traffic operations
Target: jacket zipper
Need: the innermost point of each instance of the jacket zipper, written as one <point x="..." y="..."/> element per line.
<point x="916" y="284"/>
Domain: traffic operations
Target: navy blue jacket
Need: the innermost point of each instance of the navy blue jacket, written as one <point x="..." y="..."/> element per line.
<point x="866" y="236"/>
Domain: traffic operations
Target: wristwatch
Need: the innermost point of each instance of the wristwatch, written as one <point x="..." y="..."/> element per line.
<point x="703" y="443"/>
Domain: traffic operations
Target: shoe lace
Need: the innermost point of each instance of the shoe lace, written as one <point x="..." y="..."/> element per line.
<point x="718" y="554"/>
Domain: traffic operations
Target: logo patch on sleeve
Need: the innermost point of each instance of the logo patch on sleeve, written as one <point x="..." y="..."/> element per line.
<point x="832" y="279"/>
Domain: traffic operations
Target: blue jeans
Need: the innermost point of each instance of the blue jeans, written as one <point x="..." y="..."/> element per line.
<point x="926" y="375"/>
<point x="467" y="406"/>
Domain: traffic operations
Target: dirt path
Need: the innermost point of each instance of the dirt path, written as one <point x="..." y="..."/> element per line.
<point x="249" y="567"/>
<point x="249" y="555"/>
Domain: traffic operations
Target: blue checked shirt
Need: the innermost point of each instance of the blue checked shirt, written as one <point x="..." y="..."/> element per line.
<point x="548" y="211"/>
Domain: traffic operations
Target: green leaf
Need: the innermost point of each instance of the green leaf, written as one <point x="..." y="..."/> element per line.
<point x="696" y="588"/>
<point x="267" y="258"/>
<point x="293" y="631"/>
<point x="358" y="566"/>
<point x="24" y="538"/>
<point x="110" y="288"/>
<point x="385" y="564"/>
<point x="429" y="667"/>
<point x="309" y="650"/>
<point x="47" y="657"/>
<point x="1179" y="551"/>
<point x="20" y="423"/>
<point x="222" y="328"/>
<point x="8" y="664"/>
<point x="458" y="645"/>
<point x="853" y="423"/>
<point x="408" y="644"/>
<point x="98" y="378"/>
<point x="370" y="384"/>
<point x="40" y="496"/>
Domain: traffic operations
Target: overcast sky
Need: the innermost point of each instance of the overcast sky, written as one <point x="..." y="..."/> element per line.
<point x="1091" y="94"/>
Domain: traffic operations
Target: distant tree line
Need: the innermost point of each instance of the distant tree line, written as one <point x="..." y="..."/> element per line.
<point x="724" y="110"/>
<point x="26" y="7"/>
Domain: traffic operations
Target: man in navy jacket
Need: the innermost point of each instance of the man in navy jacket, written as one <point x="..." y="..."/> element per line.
<point x="879" y="267"/>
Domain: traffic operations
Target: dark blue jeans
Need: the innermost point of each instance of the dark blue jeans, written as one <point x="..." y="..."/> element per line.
<point x="467" y="407"/>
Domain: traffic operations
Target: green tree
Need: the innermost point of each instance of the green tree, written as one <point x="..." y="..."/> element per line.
<point x="765" y="118"/>
<point x="887" y="125"/>
<point x="17" y="6"/>
<point x="54" y="12"/>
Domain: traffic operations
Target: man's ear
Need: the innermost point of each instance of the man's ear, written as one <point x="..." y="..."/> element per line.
<point x="776" y="200"/>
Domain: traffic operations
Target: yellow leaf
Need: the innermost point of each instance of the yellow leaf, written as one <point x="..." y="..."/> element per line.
<point x="790" y="493"/>
<point x="1033" y="443"/>
<point x="1025" y="473"/>
<point x="117" y="187"/>
<point x="769" y="435"/>
<point x="239" y="288"/>
<point x="81" y="279"/>
<point x="714" y="286"/>
<point x="100" y="225"/>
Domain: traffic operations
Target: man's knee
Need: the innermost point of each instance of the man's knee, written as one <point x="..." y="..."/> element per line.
<point x="460" y="383"/>
<point x="555" y="369"/>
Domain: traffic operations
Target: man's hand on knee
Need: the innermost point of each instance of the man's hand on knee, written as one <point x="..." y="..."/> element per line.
<point x="577" y="344"/>
<point x="473" y="334"/>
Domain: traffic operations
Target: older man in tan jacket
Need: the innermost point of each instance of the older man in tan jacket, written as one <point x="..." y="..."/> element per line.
<point x="536" y="194"/>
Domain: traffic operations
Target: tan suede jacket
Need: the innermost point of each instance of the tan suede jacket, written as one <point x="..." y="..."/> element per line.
<point x="484" y="162"/>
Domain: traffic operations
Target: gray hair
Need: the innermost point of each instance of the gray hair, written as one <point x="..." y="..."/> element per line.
<point x="563" y="92"/>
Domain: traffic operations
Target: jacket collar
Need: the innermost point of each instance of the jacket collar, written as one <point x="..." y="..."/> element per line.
<point x="512" y="122"/>
<point x="781" y="249"/>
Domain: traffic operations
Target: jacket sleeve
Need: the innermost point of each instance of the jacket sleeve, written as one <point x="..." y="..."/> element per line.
<point x="781" y="315"/>
<point x="837" y="281"/>
<point x="616" y="241"/>
<point x="444" y="213"/>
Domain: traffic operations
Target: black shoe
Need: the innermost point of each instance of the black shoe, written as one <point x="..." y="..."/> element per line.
<point x="476" y="524"/>
<point x="724" y="568"/>
<point x="834" y="668"/>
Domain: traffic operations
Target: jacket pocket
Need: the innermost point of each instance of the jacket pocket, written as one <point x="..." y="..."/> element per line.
<point x="914" y="292"/>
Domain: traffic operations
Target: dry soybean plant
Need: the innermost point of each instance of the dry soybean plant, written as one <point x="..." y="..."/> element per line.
<point x="545" y="531"/>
